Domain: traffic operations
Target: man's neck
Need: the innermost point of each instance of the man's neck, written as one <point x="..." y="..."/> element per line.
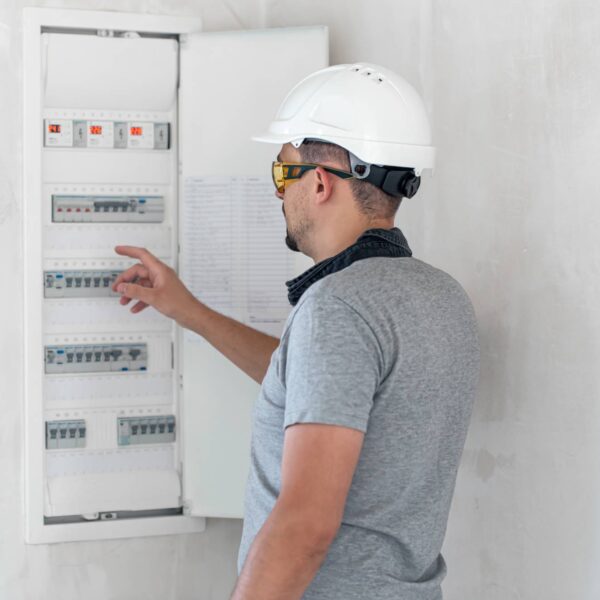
<point x="333" y="242"/>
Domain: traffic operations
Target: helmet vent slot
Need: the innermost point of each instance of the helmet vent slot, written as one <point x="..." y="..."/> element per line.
<point x="376" y="77"/>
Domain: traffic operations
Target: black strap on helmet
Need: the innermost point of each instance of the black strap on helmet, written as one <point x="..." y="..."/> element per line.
<point x="395" y="181"/>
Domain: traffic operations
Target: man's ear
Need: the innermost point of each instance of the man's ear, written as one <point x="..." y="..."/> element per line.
<point x="323" y="182"/>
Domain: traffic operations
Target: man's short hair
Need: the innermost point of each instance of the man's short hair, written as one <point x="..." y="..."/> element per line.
<point x="371" y="200"/>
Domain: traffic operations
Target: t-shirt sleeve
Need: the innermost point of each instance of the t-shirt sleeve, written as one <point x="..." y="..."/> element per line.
<point x="332" y="365"/>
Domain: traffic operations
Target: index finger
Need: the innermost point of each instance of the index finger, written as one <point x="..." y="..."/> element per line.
<point x="128" y="276"/>
<point x="148" y="259"/>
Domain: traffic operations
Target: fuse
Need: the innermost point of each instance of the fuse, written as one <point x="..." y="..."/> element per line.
<point x="58" y="133"/>
<point x="140" y="135"/>
<point x="161" y="136"/>
<point x="52" y="436"/>
<point x="79" y="134"/>
<point x="100" y="134"/>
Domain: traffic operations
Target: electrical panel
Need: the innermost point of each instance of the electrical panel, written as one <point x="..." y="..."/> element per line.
<point x="134" y="427"/>
<point x="108" y="387"/>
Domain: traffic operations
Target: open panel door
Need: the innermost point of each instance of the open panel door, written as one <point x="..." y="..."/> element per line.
<point x="231" y="85"/>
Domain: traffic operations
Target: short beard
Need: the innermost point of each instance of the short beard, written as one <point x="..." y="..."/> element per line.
<point x="290" y="242"/>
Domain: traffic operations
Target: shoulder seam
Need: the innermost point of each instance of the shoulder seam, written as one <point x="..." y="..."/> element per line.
<point x="381" y="354"/>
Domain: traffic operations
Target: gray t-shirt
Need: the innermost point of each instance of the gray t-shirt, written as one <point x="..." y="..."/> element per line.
<point x="388" y="346"/>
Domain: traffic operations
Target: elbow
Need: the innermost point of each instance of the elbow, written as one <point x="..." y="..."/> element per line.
<point x="319" y="537"/>
<point x="311" y="531"/>
<point x="315" y="541"/>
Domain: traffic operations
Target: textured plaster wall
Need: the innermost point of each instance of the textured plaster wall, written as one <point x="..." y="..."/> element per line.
<point x="515" y="218"/>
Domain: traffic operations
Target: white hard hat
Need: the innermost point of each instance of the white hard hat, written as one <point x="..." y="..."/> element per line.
<point x="367" y="109"/>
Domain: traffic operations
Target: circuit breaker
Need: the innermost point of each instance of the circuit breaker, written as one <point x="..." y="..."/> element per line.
<point x="135" y="427"/>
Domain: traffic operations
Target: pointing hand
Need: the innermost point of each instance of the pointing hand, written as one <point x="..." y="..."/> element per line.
<point x="152" y="283"/>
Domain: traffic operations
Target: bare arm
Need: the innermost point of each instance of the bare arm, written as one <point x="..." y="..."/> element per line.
<point x="152" y="283"/>
<point x="316" y="472"/>
<point x="244" y="346"/>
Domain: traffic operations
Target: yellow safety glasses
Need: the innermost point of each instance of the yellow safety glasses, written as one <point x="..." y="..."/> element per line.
<point x="285" y="173"/>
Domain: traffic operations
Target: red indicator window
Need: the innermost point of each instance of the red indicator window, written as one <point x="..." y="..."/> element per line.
<point x="53" y="128"/>
<point x="96" y="129"/>
<point x="135" y="131"/>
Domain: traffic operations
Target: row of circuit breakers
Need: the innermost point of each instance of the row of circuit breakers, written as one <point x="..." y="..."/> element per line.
<point x="66" y="133"/>
<point x="107" y="209"/>
<point x="61" y="435"/>
<point x="101" y="358"/>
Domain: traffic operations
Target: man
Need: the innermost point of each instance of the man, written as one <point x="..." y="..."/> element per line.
<point x="365" y="400"/>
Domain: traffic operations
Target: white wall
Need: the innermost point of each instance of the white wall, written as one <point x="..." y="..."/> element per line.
<point x="516" y="216"/>
<point x="511" y="212"/>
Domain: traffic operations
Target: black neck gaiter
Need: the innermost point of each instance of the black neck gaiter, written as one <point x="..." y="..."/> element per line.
<point x="373" y="242"/>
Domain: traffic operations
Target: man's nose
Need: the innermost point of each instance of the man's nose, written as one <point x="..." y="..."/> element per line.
<point x="279" y="195"/>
